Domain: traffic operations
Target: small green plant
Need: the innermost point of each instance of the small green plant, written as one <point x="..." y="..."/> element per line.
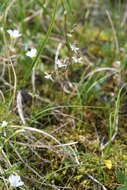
<point x="122" y="179"/>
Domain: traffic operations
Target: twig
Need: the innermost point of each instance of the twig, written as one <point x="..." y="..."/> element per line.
<point x="20" y="107"/>
<point x="67" y="144"/>
<point x="2" y="95"/>
<point x="37" y="131"/>
<point x="124" y="18"/>
<point x="99" y="70"/>
<point x="27" y="19"/>
<point x="96" y="181"/>
<point x="57" y="54"/>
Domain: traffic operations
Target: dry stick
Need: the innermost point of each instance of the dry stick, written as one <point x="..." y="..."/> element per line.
<point x="6" y="158"/>
<point x="114" y="31"/>
<point x="124" y="18"/>
<point x="36" y="130"/>
<point x="15" y="82"/>
<point x="67" y="144"/>
<point x="6" y="83"/>
<point x="99" y="70"/>
<point x="45" y="146"/>
<point x="57" y="54"/>
<point x="27" y="19"/>
<point x="20" y="107"/>
<point x="96" y="181"/>
<point x="3" y="69"/>
<point x="2" y="95"/>
<point x="46" y="100"/>
<point x="44" y="133"/>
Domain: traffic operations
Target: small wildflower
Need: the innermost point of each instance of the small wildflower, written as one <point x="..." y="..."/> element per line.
<point x="77" y="60"/>
<point x="31" y="53"/>
<point x="48" y="76"/>
<point x="14" y="33"/>
<point x="69" y="35"/>
<point x="65" y="12"/>
<point x="60" y="64"/>
<point x="74" y="48"/>
<point x="15" y="181"/>
<point x="4" y="124"/>
<point x="117" y="64"/>
<point x="108" y="164"/>
<point x="122" y="49"/>
<point x="1" y="29"/>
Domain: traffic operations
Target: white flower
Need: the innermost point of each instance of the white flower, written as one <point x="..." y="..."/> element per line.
<point x="15" y="181"/>
<point x="77" y="60"/>
<point x="74" y="48"/>
<point x="48" y="76"/>
<point x="4" y="124"/>
<point x="1" y="29"/>
<point x="117" y="64"/>
<point x="14" y="33"/>
<point x="31" y="53"/>
<point x="69" y="35"/>
<point x="60" y="64"/>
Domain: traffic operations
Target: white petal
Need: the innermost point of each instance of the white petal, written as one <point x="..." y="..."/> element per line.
<point x="31" y="53"/>
<point x="14" y="33"/>
<point x="15" y="181"/>
<point x="4" y="123"/>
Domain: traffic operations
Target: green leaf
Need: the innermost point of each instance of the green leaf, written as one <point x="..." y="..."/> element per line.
<point x="120" y="177"/>
<point x="122" y="188"/>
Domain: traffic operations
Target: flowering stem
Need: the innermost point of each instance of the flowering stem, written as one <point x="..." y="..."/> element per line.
<point x="42" y="45"/>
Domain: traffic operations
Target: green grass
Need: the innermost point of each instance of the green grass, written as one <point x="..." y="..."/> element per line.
<point x="61" y="132"/>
